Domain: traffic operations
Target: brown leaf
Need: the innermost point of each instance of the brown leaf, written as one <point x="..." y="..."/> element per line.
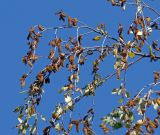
<point x="158" y="101"/>
<point x="31" y="30"/>
<point x="104" y="128"/>
<point x="67" y="46"/>
<point x="34" y="57"/>
<point x="76" y="123"/>
<point x="131" y="103"/>
<point x="30" y="63"/>
<point x="40" y="27"/>
<point x="70" y="126"/>
<point x="40" y="77"/>
<point x="22" y="80"/>
<point x="46" y="131"/>
<point x="24" y="60"/>
<point x="156" y="77"/>
<point x="31" y="110"/>
<point x="55" y="42"/>
<point x="70" y="86"/>
<point x="85" y="131"/>
<point x="118" y="73"/>
<point x="74" y="21"/>
<point x="71" y="59"/>
<point x="81" y="61"/>
<point x="80" y="37"/>
<point x="69" y="21"/>
<point x="62" y="55"/>
<point x="152" y="124"/>
<point x="61" y="15"/>
<point x="51" y="54"/>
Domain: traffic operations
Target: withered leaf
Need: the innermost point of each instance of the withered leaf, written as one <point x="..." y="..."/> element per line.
<point x="85" y="131"/>
<point x="40" y="77"/>
<point x="73" y="77"/>
<point x="67" y="46"/>
<point x="22" y="80"/>
<point x="74" y="21"/>
<point x="46" y="131"/>
<point x="152" y="124"/>
<point x="31" y="110"/>
<point x="156" y="77"/>
<point x="81" y="61"/>
<point x="69" y="21"/>
<point x="76" y="123"/>
<point x="31" y="30"/>
<point x="24" y="60"/>
<point x="158" y="101"/>
<point x="51" y="54"/>
<point x="40" y="27"/>
<point x="104" y="128"/>
<point x="118" y="73"/>
<point x="62" y="55"/>
<point x="70" y="126"/>
<point x="29" y="63"/>
<point x="34" y="57"/>
<point x="80" y="37"/>
<point x="61" y="15"/>
<point x="71" y="59"/>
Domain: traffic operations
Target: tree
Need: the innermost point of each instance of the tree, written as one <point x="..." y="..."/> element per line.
<point x="70" y="53"/>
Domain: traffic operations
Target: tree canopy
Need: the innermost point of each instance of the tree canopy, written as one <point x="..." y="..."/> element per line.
<point x="81" y="45"/>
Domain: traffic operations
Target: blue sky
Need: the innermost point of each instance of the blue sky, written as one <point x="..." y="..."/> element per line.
<point x="16" y="18"/>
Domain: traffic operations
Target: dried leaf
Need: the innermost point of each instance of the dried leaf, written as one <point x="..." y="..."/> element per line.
<point x="152" y="124"/>
<point x="118" y="74"/>
<point x="156" y="77"/>
<point x="69" y="21"/>
<point x="24" y="60"/>
<point x="104" y="128"/>
<point x="76" y="123"/>
<point x="61" y="15"/>
<point x="71" y="59"/>
<point x="40" y="27"/>
<point x="85" y="131"/>
<point x="67" y="46"/>
<point x="30" y="63"/>
<point x="22" y="80"/>
<point x="158" y="101"/>
<point x="51" y="55"/>
<point x="40" y="77"/>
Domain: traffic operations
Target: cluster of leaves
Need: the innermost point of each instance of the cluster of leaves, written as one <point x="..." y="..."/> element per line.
<point x="86" y="121"/>
<point x="72" y="54"/>
<point x="124" y="115"/>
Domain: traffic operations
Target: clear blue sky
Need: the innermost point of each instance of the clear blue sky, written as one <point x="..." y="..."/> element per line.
<point x="16" y="17"/>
